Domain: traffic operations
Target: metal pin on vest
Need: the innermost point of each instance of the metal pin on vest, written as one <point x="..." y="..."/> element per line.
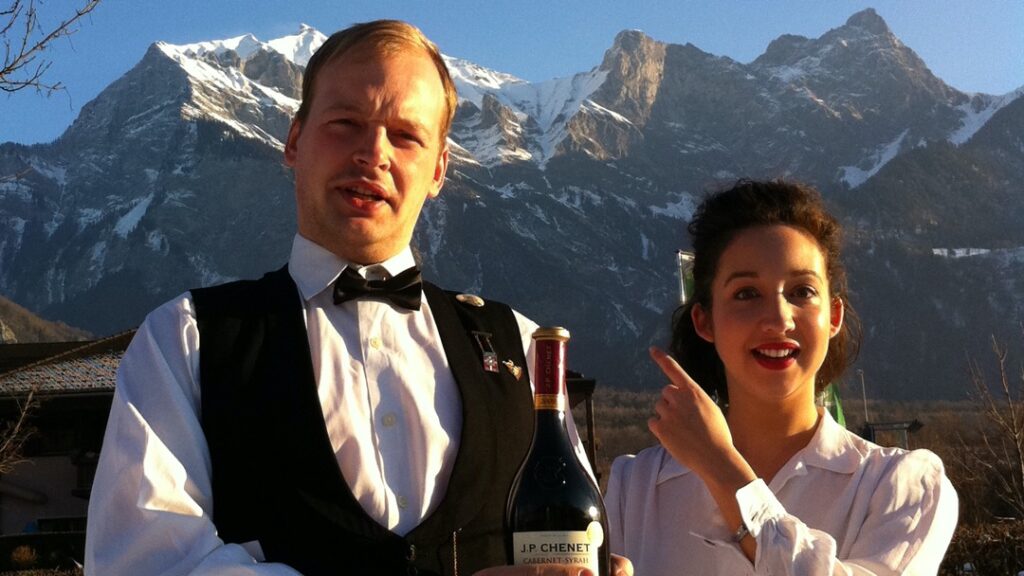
<point x="490" y="357"/>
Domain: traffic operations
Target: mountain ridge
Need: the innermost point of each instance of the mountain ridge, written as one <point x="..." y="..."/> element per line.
<point x="567" y="198"/>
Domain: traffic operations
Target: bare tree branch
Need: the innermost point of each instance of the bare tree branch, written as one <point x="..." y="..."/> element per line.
<point x="15" y="434"/>
<point x="25" y="43"/>
<point x="23" y="64"/>
<point x="1000" y="458"/>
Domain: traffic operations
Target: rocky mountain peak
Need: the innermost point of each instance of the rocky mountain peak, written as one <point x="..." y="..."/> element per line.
<point x="784" y="49"/>
<point x="870" y="21"/>
<point x="635" y="65"/>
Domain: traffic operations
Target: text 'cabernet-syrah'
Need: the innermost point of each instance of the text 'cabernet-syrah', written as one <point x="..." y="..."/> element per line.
<point x="555" y="513"/>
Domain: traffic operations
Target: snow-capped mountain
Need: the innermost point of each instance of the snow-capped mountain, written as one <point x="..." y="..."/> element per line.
<point x="567" y="198"/>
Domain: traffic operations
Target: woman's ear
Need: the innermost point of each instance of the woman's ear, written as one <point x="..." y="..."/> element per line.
<point x="836" y="316"/>
<point x="702" y="323"/>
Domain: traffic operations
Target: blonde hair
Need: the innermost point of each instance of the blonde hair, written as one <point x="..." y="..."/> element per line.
<point x="383" y="37"/>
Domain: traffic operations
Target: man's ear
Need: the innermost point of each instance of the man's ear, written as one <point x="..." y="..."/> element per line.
<point x="836" y="314"/>
<point x="291" y="145"/>
<point x="440" y="169"/>
<point x="702" y="323"/>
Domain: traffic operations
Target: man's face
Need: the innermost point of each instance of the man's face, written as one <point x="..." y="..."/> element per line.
<point x="369" y="153"/>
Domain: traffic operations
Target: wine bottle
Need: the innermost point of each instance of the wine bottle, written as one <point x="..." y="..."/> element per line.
<point x="555" y="514"/>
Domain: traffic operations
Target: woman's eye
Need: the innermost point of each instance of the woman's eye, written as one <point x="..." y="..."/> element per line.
<point x="805" y="292"/>
<point x="745" y="294"/>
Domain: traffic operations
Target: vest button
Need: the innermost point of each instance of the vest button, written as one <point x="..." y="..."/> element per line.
<point x="376" y="343"/>
<point x="389" y="420"/>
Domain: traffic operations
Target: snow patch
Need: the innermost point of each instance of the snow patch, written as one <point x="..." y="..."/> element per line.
<point x="550" y="105"/>
<point x="97" y="256"/>
<point x="978" y="111"/>
<point x="157" y="242"/>
<point x="855" y="176"/>
<point x="58" y="174"/>
<point x="626" y="319"/>
<point x="129" y="221"/>
<point x="53" y="224"/>
<point x="645" y="247"/>
<point x="523" y="230"/>
<point x="245" y="46"/>
<point x="15" y="189"/>
<point x="507" y="192"/>
<point x="960" y="252"/>
<point x="207" y="275"/>
<point x="17" y="226"/>
<point x="87" y="217"/>
<point x="473" y="81"/>
<point x="574" y="197"/>
<point x="299" y="48"/>
<point x="681" y="209"/>
<point x="210" y="81"/>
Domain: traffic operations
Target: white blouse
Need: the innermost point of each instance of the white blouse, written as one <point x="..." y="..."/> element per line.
<point x="841" y="505"/>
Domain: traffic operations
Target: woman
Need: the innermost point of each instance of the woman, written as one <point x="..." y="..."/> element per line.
<point x="769" y="483"/>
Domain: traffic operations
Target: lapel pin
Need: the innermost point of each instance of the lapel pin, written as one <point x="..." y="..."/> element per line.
<point x="515" y="370"/>
<point x="470" y="299"/>
<point x="489" y="356"/>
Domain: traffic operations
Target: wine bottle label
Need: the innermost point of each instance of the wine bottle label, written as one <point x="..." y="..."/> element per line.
<point x="550" y="367"/>
<point x="549" y="402"/>
<point x="569" y="548"/>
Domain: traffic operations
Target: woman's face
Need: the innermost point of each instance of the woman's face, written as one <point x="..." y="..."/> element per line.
<point x="771" y="315"/>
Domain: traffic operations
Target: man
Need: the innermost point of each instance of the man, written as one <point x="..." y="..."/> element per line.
<point x="298" y="424"/>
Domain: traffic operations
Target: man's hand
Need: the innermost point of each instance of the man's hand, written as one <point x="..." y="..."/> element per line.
<point x="621" y="566"/>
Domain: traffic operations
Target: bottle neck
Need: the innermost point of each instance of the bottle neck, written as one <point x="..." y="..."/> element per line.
<point x="549" y="380"/>
<point x="550" y="424"/>
<point x="549" y="400"/>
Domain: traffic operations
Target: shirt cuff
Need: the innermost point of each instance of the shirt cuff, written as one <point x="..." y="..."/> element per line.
<point x="758" y="505"/>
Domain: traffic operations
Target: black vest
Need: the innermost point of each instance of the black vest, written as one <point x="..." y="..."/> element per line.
<point x="275" y="476"/>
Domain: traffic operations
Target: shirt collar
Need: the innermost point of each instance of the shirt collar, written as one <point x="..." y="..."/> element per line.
<point x="314" y="268"/>
<point x="831" y="448"/>
<point x="670" y="468"/>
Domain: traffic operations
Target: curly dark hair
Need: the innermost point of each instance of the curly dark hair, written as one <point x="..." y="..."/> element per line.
<point x="717" y="221"/>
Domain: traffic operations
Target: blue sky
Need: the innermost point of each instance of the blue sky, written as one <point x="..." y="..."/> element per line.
<point x="974" y="45"/>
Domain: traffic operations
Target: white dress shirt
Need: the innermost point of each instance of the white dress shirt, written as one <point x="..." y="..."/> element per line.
<point x="842" y="505"/>
<point x="389" y="400"/>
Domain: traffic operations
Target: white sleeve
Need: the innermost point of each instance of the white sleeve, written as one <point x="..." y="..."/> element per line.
<point x="150" y="507"/>
<point x="526" y="329"/>
<point x="615" y="496"/>
<point x="913" y="514"/>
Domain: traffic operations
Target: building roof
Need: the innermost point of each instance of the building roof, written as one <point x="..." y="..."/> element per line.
<point x="19" y="354"/>
<point x="89" y="367"/>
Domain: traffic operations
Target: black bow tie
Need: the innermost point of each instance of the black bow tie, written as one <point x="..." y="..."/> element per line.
<point x="404" y="290"/>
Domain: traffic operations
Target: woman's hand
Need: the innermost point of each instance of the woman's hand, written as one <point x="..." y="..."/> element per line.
<point x="687" y="421"/>
<point x="694" y="431"/>
<point x="620" y="567"/>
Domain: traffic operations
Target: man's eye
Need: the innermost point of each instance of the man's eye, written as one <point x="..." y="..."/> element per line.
<point x="408" y="137"/>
